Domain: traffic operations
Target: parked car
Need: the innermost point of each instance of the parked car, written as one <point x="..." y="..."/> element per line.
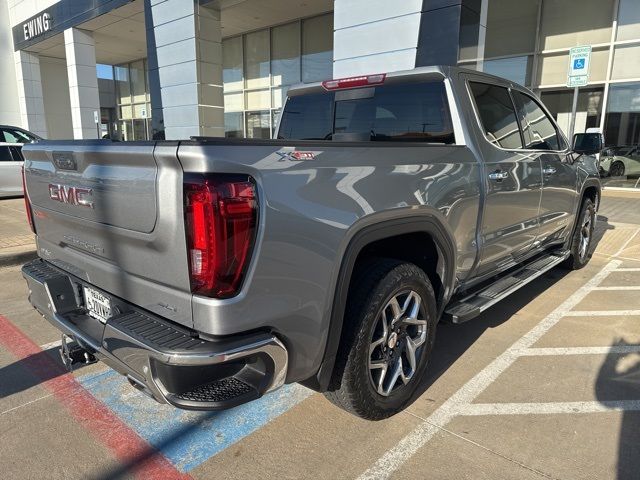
<point x="11" y="141"/>
<point x="211" y="271"/>
<point x="620" y="161"/>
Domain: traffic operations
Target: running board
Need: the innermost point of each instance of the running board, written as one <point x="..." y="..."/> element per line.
<point x="473" y="305"/>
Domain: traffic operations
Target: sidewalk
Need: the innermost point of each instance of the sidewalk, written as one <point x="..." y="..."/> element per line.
<point x="17" y="243"/>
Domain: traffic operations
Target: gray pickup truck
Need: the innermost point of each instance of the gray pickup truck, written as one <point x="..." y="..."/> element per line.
<point x="211" y="271"/>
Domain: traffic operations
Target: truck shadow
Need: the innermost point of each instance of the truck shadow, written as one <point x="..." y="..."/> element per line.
<point x="619" y="380"/>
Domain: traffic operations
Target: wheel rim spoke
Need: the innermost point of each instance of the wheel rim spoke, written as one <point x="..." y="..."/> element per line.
<point x="395" y="347"/>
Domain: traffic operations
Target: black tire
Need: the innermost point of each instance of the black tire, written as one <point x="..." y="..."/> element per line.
<point x="580" y="257"/>
<point x="616" y="169"/>
<point x="352" y="387"/>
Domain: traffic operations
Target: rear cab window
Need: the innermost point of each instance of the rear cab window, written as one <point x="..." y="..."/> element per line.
<point x="400" y="112"/>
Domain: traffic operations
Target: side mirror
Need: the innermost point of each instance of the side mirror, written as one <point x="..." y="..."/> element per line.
<point x="587" y="143"/>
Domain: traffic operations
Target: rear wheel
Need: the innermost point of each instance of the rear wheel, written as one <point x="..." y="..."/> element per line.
<point x="582" y="241"/>
<point x="391" y="321"/>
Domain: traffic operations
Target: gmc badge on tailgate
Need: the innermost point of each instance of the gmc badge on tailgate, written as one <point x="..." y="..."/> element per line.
<point x="79" y="196"/>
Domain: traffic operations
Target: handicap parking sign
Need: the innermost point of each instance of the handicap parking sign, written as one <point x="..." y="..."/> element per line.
<point x="578" y="71"/>
<point x="578" y="64"/>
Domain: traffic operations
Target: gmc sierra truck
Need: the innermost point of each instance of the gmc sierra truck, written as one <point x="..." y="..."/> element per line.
<point x="211" y="271"/>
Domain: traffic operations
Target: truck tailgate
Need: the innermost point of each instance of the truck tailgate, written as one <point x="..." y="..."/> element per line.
<point x="112" y="215"/>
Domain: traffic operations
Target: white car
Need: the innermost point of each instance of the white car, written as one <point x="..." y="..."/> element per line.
<point x="621" y="161"/>
<point x="11" y="141"/>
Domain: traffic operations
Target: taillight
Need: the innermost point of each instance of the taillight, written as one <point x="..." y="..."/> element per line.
<point x="220" y="216"/>
<point x="353" y="82"/>
<point x="27" y="203"/>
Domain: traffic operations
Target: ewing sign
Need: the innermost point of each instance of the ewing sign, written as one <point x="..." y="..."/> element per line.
<point x="36" y="26"/>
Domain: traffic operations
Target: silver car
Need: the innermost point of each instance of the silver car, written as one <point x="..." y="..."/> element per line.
<point x="11" y="141"/>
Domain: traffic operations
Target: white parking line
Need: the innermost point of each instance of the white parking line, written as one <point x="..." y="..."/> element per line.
<point x="50" y="345"/>
<point x="628" y="269"/>
<point x="476" y="409"/>
<point x="614" y="349"/>
<point x="404" y="450"/>
<point x="625" y="244"/>
<point x="601" y="313"/>
<point x="621" y="288"/>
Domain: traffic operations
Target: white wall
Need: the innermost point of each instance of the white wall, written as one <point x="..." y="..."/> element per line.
<point x="55" y="92"/>
<point x="9" y="105"/>
<point x="22" y="9"/>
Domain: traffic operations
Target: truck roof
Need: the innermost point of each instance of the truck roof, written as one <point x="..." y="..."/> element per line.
<point x="433" y="72"/>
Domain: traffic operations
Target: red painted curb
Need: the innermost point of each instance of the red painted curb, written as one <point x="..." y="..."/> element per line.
<point x="126" y="445"/>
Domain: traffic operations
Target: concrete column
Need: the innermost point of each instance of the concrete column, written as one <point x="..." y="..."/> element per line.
<point x="373" y="36"/>
<point x="30" y="92"/>
<point x="80" y="50"/>
<point x="188" y="67"/>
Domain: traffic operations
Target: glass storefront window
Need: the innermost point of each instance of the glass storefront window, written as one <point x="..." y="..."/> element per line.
<point x="622" y="121"/>
<point x="517" y="69"/>
<point x="285" y="54"/>
<point x="258" y="99"/>
<point x="552" y="68"/>
<point x="123" y="90"/>
<point x="511" y="27"/>
<point x="138" y="83"/>
<point x="565" y="24"/>
<point x="233" y="102"/>
<point x="628" y="20"/>
<point x="256" y="59"/>
<point x="258" y="124"/>
<point x="626" y="62"/>
<point x="588" y="112"/>
<point x="317" y="48"/>
<point x="233" y="125"/>
<point x="232" y="64"/>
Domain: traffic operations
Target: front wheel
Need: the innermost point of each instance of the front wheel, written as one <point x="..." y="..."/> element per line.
<point x="617" y="169"/>
<point x="389" y="335"/>
<point x="582" y="241"/>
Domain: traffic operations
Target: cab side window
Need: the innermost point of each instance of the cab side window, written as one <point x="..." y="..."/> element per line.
<point x="538" y="130"/>
<point x="497" y="115"/>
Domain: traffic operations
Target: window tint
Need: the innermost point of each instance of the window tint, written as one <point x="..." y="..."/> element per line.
<point x="538" y="130"/>
<point x="307" y="117"/>
<point x="497" y="115"/>
<point x="16" y="153"/>
<point x="416" y="112"/>
<point x="5" y="154"/>
<point x="15" y="136"/>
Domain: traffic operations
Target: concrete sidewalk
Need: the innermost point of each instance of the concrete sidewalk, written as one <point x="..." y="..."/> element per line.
<point x="17" y="242"/>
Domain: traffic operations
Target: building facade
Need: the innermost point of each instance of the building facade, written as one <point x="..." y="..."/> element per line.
<point x="141" y="69"/>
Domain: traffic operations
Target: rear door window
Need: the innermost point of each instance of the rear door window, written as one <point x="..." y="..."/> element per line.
<point x="538" y="130"/>
<point x="15" y="136"/>
<point x="409" y="112"/>
<point x="497" y="115"/>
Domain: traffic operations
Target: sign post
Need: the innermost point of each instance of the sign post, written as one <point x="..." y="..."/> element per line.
<point x="577" y="76"/>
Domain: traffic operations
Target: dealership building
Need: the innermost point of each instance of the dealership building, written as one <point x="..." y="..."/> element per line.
<point x="142" y="69"/>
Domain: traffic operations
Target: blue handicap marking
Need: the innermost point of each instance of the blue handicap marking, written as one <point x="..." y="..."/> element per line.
<point x="188" y="438"/>
<point x="578" y="63"/>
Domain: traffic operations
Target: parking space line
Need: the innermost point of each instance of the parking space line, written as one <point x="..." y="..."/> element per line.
<point x="620" y="288"/>
<point x="133" y="452"/>
<point x="601" y="313"/>
<point x="411" y="443"/>
<point x="629" y="269"/>
<point x="480" y="409"/>
<point x="625" y="244"/>
<point x="614" y="349"/>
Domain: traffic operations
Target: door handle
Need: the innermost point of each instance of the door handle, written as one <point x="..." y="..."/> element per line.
<point x="498" y="175"/>
<point x="549" y="170"/>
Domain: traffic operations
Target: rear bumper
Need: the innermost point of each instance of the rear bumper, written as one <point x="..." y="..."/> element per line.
<point x="168" y="362"/>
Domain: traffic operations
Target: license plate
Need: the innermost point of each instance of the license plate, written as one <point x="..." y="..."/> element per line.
<point x="98" y="306"/>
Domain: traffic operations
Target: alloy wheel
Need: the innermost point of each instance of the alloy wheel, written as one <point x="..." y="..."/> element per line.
<point x="397" y="342"/>
<point x="585" y="234"/>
